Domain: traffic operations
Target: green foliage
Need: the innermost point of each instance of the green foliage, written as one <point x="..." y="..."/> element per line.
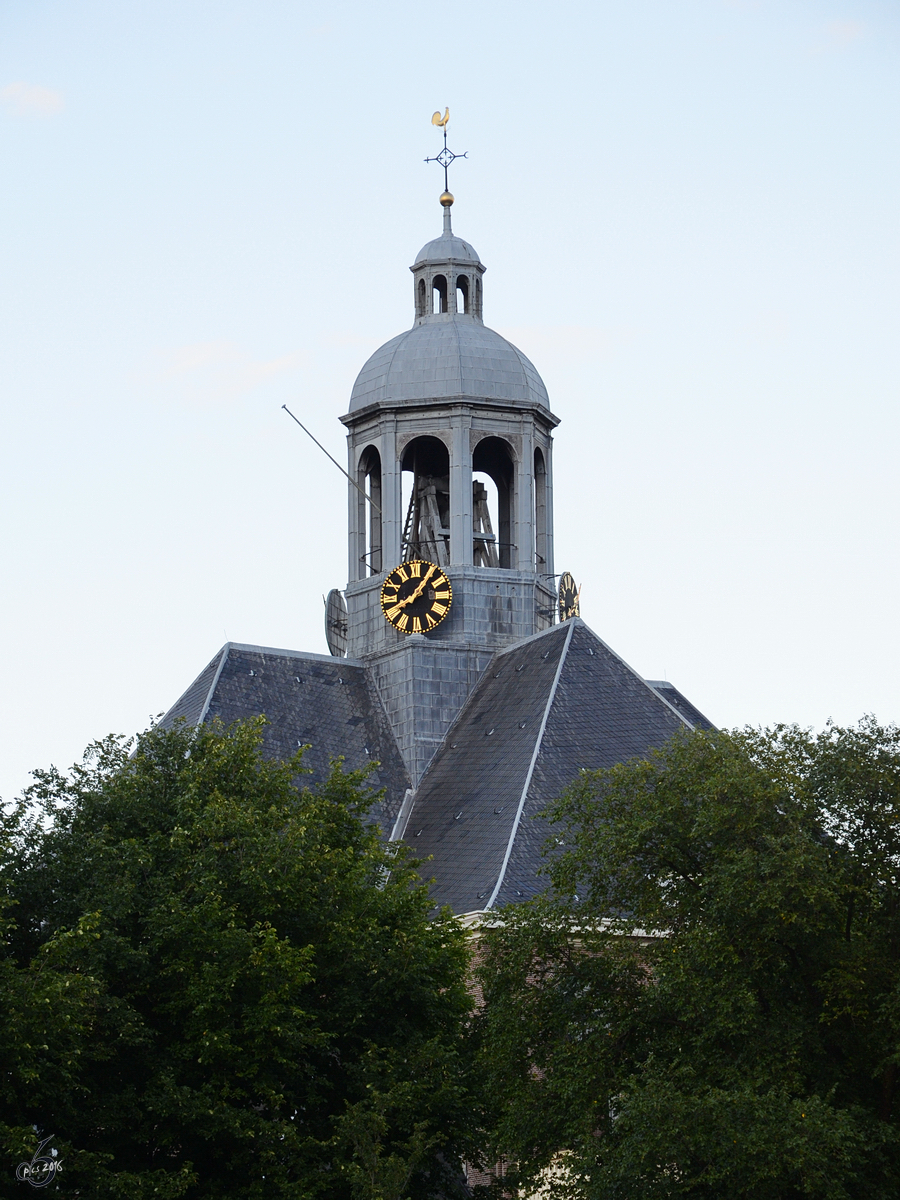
<point x="707" y="1001"/>
<point x="218" y="983"/>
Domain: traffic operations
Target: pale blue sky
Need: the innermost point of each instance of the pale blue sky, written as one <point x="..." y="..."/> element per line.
<point x="689" y="214"/>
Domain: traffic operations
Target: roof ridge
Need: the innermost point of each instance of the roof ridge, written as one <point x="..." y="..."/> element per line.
<point x="223" y="658"/>
<point x="284" y="653"/>
<point x="532" y="637"/>
<point x="534" y="756"/>
<point x="463" y="710"/>
<point x="635" y="673"/>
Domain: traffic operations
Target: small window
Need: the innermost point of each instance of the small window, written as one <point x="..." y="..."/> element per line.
<point x="420" y="299"/>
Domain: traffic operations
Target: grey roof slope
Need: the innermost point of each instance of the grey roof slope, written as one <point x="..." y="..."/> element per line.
<point x="544" y="709"/>
<point x="669" y="692"/>
<point x="449" y="355"/>
<point x="328" y="702"/>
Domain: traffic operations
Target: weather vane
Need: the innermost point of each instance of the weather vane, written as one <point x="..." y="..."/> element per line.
<point x="446" y="156"/>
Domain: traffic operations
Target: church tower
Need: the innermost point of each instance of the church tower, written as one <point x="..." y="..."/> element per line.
<point x="450" y="678"/>
<point x="450" y="446"/>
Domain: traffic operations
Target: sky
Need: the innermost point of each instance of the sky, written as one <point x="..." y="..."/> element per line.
<point x="690" y="216"/>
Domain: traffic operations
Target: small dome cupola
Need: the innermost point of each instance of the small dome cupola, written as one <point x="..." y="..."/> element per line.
<point x="447" y="276"/>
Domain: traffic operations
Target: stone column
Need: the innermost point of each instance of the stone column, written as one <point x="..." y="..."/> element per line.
<point x="548" y="462"/>
<point x="460" y="489"/>
<point x="524" y="536"/>
<point x="354" y="566"/>
<point x="391" y="500"/>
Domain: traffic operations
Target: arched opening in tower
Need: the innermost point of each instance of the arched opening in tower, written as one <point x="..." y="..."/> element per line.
<point x="492" y="545"/>
<point x="462" y="293"/>
<point x="425" y="489"/>
<point x="421" y="299"/>
<point x="439" y="285"/>
<point x="540" y="512"/>
<point x="369" y="514"/>
<point x="484" y="521"/>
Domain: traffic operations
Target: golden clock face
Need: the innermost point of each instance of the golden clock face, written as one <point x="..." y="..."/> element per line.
<point x="416" y="596"/>
<point x="569" y="594"/>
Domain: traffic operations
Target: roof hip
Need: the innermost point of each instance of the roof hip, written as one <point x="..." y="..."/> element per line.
<point x="534" y="757"/>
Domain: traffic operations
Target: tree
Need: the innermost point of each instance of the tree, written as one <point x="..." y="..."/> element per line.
<point x="263" y="1006"/>
<point x="706" y="1002"/>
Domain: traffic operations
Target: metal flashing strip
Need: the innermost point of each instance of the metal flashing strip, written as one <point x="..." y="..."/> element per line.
<point x="537" y="749"/>
<point x="403" y="816"/>
<point x="222" y="655"/>
<point x="245" y="647"/>
<point x="668" y="703"/>
<point x="223" y="658"/>
<point x="661" y="686"/>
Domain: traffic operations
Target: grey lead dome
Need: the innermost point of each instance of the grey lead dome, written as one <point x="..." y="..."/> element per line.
<point x="447" y="247"/>
<point x="448" y="354"/>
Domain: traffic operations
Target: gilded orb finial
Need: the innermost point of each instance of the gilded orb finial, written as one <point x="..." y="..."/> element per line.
<point x="446" y="199"/>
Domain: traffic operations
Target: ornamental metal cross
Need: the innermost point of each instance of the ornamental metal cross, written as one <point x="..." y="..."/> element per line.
<point x="446" y="156"/>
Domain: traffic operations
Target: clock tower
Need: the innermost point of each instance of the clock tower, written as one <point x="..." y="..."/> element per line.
<point x="461" y="675"/>
<point x="450" y="447"/>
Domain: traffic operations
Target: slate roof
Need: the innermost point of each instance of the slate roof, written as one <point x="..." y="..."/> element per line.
<point x="543" y="709"/>
<point x="328" y="702"/>
<point x="669" y="692"/>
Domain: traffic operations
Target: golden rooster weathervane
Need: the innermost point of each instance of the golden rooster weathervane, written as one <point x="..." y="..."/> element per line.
<point x="446" y="156"/>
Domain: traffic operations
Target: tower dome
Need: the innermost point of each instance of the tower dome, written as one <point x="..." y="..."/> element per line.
<point x="445" y="248"/>
<point x="452" y="356"/>
<point x="449" y="353"/>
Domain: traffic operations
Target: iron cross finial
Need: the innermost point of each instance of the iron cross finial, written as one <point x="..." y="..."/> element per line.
<point x="446" y="156"/>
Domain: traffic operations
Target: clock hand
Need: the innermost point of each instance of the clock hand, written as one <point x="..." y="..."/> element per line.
<point x="425" y="578"/>
<point x="419" y="590"/>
